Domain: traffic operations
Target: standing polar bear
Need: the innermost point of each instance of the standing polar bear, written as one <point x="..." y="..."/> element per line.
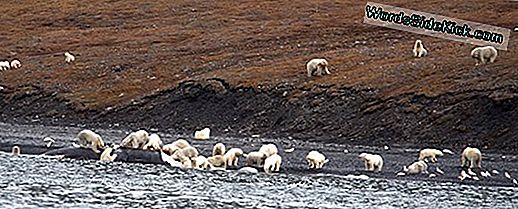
<point x="319" y="65"/>
<point x="472" y="157"/>
<point x="272" y="163"/>
<point x="135" y="140"/>
<point x="232" y="156"/>
<point x="431" y="154"/>
<point x="373" y="162"/>
<point x="218" y="149"/>
<point x="90" y="140"/>
<point x="483" y="54"/>
<point x="153" y="143"/>
<point x="316" y="159"/>
<point x="269" y="149"/>
<point x="255" y="159"/>
<point x="419" y="50"/>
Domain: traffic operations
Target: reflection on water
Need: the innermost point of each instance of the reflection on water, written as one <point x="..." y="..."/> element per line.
<point x="34" y="182"/>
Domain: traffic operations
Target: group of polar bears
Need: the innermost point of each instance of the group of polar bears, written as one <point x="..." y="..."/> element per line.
<point x="482" y="54"/>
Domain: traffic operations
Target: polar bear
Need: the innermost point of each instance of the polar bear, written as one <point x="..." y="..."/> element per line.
<point x="69" y="57"/>
<point x="217" y="161"/>
<point x="316" y="159"/>
<point x="90" y="140"/>
<point x="218" y="149"/>
<point x="190" y="152"/>
<point x="170" y="149"/>
<point x="107" y="156"/>
<point x="419" y="50"/>
<point x="135" y="140"/>
<point x="15" y="64"/>
<point x="200" y="163"/>
<point x="418" y="167"/>
<point x="373" y="162"/>
<point x="272" y="163"/>
<point x="4" y="65"/>
<point x="202" y="134"/>
<point x="483" y="54"/>
<point x="431" y="154"/>
<point x="153" y="143"/>
<point x="181" y="143"/>
<point x="255" y="159"/>
<point x="472" y="157"/>
<point x="232" y="156"/>
<point x="318" y="65"/>
<point x="15" y="151"/>
<point x="269" y="149"/>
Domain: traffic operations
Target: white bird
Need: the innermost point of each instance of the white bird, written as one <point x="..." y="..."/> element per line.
<point x="476" y="178"/>
<point x="400" y="174"/>
<point x="507" y="175"/>
<point x="432" y="175"/>
<point x="495" y="172"/>
<point x="386" y="147"/>
<point x="49" y="141"/>
<point x="16" y="64"/>
<point x="69" y="57"/>
<point x="485" y="174"/>
<point x="439" y="170"/>
<point x="471" y="173"/>
<point x="289" y="150"/>
<point x="346" y="151"/>
<point x="515" y="181"/>
<point x="447" y="151"/>
<point x="405" y="169"/>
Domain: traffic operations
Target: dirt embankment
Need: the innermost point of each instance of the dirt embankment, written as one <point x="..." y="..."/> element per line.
<point x="239" y="69"/>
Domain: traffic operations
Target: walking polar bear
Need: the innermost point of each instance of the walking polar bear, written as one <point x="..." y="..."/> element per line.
<point x="232" y="156"/>
<point x="484" y="54"/>
<point x="431" y="154"/>
<point x="419" y="50"/>
<point x="317" y="65"/>
<point x="372" y="162"/>
<point x="272" y="164"/>
<point x="255" y="159"/>
<point x="472" y="157"/>
<point x="316" y="159"/>
<point x="90" y="140"/>
<point x="135" y="140"/>
<point x="417" y="168"/>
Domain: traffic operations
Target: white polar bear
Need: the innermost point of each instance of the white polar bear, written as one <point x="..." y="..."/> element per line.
<point x="202" y="134"/>
<point x="15" y="64"/>
<point x="255" y="159"/>
<point x="419" y="50"/>
<point x="153" y="143"/>
<point x="181" y="143"/>
<point x="15" y="151"/>
<point x="319" y="65"/>
<point x="200" y="163"/>
<point x="316" y="159"/>
<point x="90" y="140"/>
<point x="217" y="161"/>
<point x="135" y="140"/>
<point x="218" y="149"/>
<point x="418" y="167"/>
<point x="69" y="57"/>
<point x="170" y="149"/>
<point x="4" y="65"/>
<point x="232" y="156"/>
<point x="272" y="163"/>
<point x="483" y="54"/>
<point x="269" y="149"/>
<point x="431" y="154"/>
<point x="190" y="152"/>
<point x="107" y="156"/>
<point x="472" y="157"/>
<point x="373" y="162"/>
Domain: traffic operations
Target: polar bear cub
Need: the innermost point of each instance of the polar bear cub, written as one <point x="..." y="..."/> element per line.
<point x="135" y="140"/>
<point x="373" y="162"/>
<point x="417" y="168"/>
<point x="431" y="154"/>
<point x="483" y="54"/>
<point x="202" y="134"/>
<point x="269" y="149"/>
<point x="107" y="155"/>
<point x="255" y="159"/>
<point x="15" y="64"/>
<point x="69" y="57"/>
<point x="272" y="163"/>
<point x="218" y="149"/>
<point x="153" y="143"/>
<point x="232" y="156"/>
<point x="419" y="50"/>
<point x="316" y="159"/>
<point x="472" y="157"/>
<point x="90" y="140"/>
<point x="15" y="151"/>
<point x="319" y="65"/>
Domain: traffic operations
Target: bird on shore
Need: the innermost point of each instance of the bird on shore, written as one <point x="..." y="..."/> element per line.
<point x="507" y="175"/>
<point x="49" y="141"/>
<point x="439" y="170"/>
<point x="289" y="150"/>
<point x="463" y="175"/>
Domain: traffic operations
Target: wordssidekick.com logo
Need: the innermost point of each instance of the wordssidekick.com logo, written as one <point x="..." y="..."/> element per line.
<point x="436" y="25"/>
